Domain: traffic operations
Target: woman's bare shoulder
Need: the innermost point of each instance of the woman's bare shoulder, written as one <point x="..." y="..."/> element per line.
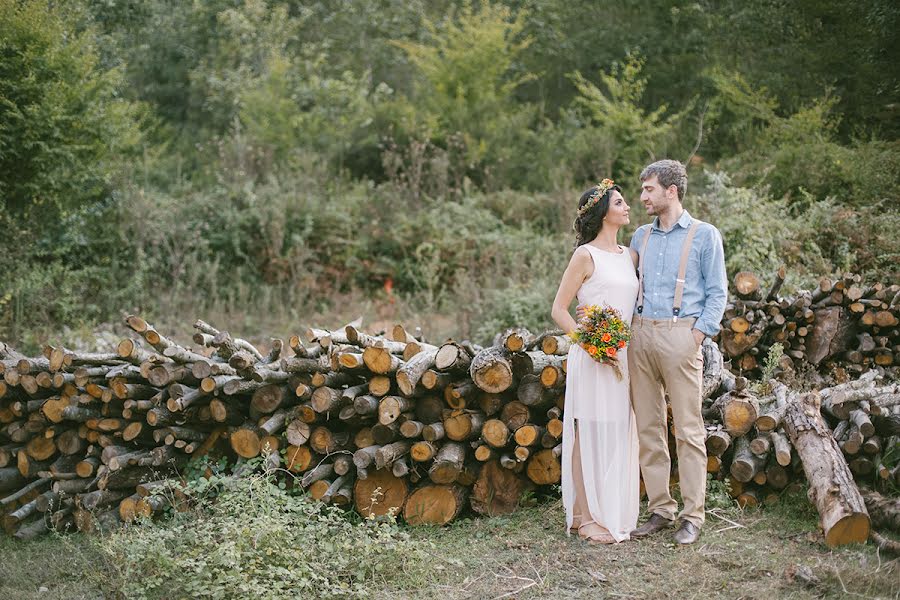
<point x="582" y="261"/>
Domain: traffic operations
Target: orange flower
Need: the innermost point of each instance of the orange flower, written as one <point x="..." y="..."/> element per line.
<point x="606" y="337"/>
<point x="611" y="352"/>
<point x="592" y="349"/>
<point x="621" y="343"/>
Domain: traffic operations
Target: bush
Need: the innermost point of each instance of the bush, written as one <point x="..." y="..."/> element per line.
<point x="517" y="304"/>
<point x="752" y="243"/>
<point x="827" y="238"/>
<point x="258" y="539"/>
<point x="798" y="156"/>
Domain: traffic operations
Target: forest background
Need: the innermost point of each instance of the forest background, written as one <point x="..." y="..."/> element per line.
<point x="263" y="164"/>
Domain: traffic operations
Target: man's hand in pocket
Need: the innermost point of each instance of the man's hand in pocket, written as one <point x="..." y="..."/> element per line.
<point x="698" y="336"/>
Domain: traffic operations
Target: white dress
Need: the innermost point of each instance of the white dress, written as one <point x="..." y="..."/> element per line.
<point x="601" y="405"/>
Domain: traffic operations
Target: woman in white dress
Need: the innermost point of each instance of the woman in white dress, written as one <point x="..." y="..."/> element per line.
<point x="600" y="469"/>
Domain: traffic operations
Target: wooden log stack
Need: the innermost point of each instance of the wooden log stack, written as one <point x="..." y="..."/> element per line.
<point x="842" y="328"/>
<point x="391" y="424"/>
<point x="767" y="439"/>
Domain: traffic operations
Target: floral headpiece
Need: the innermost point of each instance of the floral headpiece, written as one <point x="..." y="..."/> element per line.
<point x="602" y="188"/>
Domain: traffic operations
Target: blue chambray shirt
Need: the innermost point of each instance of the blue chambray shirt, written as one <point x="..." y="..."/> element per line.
<point x="705" y="286"/>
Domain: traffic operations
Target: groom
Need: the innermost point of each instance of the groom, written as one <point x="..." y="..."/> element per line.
<point x="681" y="300"/>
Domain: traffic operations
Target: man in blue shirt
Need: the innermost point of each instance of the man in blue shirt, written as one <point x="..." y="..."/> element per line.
<point x="680" y="303"/>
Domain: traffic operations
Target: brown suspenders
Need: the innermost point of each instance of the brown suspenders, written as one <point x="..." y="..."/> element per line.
<point x="682" y="270"/>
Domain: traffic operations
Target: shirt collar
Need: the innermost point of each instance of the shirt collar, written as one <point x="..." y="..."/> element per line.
<point x="684" y="221"/>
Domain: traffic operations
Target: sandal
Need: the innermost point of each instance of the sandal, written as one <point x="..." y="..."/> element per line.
<point x="600" y="537"/>
<point x="576" y="525"/>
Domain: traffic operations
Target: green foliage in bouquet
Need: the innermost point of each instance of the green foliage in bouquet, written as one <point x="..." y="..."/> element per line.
<point x="602" y="333"/>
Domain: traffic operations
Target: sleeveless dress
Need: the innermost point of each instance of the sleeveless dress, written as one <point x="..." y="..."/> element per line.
<point x="601" y="405"/>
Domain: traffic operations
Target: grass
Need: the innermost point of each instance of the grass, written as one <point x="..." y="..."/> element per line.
<point x="48" y="568"/>
<point x="749" y="554"/>
<point x="740" y="555"/>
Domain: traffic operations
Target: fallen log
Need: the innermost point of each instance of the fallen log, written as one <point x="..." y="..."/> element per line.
<point x="832" y="489"/>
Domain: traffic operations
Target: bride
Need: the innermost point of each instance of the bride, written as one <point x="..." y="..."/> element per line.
<point x="600" y="469"/>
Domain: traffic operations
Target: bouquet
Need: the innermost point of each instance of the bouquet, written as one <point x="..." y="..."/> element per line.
<point x="602" y="333"/>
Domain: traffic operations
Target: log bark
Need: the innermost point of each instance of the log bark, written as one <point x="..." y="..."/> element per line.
<point x="883" y="510"/>
<point x="832" y="489"/>
<point x="448" y="463"/>
<point x="516" y="339"/>
<point x="492" y="370"/>
<point x="497" y="491"/>
<point x="452" y="357"/>
<point x="387" y="454"/>
<point x="717" y="441"/>
<point x="411" y="373"/>
<point x="737" y="410"/>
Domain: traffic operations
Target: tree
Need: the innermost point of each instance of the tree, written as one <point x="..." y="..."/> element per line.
<point x="466" y="74"/>
<point x="634" y="136"/>
<point x="63" y="122"/>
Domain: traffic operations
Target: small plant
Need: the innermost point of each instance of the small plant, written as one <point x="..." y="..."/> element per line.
<point x="718" y="493"/>
<point x="770" y="365"/>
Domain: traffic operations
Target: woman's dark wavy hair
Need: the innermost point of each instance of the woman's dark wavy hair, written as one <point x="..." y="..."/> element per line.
<point x="588" y="225"/>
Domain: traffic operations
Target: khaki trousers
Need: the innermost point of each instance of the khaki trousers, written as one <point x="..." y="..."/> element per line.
<point x="664" y="359"/>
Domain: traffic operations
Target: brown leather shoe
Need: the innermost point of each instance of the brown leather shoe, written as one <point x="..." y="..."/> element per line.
<point x="654" y="523"/>
<point x="688" y="533"/>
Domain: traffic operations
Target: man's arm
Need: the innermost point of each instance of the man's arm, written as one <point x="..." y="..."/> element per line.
<point x="712" y="265"/>
<point x="636" y="239"/>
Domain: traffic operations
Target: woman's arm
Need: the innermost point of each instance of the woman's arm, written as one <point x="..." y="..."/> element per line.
<point x="581" y="266"/>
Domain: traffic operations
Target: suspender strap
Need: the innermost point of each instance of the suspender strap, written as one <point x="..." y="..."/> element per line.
<point x="682" y="269"/>
<point x="640" y="298"/>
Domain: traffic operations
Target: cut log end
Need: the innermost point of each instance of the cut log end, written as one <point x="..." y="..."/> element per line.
<point x="849" y="530"/>
<point x="434" y="504"/>
<point x="379" y="494"/>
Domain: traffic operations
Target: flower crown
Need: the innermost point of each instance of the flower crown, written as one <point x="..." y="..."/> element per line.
<point x="602" y="188"/>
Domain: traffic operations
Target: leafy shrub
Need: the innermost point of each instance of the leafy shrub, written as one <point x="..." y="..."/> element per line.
<point x="798" y="155"/>
<point x="826" y="238"/>
<point x="258" y="539"/>
<point x="468" y="72"/>
<point x="526" y="304"/>
<point x="629" y="135"/>
<point x="718" y="494"/>
<point x="753" y="226"/>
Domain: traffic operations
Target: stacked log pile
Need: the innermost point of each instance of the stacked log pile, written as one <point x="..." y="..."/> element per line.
<point x="765" y="438"/>
<point x="842" y="328"/>
<point x="384" y="424"/>
<point x="388" y="425"/>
